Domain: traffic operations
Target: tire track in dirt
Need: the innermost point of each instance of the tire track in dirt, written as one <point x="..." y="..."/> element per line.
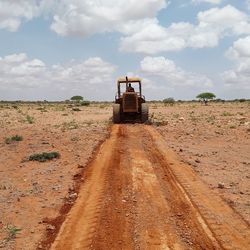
<point x="228" y="227"/>
<point x="79" y="227"/>
<point x="138" y="195"/>
<point x="174" y="218"/>
<point x="115" y="230"/>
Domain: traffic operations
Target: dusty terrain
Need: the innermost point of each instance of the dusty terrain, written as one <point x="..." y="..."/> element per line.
<point x="215" y="141"/>
<point x="139" y="196"/>
<point x="143" y="195"/>
<point x="30" y="192"/>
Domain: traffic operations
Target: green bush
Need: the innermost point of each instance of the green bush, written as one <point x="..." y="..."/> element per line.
<point x="225" y="113"/>
<point x="76" y="109"/>
<point x="13" y="138"/>
<point x="30" y="119"/>
<point x="42" y="157"/>
<point x="169" y="101"/>
<point x="85" y="103"/>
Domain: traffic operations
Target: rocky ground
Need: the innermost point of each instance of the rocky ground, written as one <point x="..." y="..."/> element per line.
<point x="32" y="191"/>
<point x="214" y="139"/>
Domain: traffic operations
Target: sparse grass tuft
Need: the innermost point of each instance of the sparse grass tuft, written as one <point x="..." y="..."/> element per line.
<point x="211" y="119"/>
<point x="157" y="120"/>
<point x="59" y="108"/>
<point x="12" y="232"/>
<point x="76" y="109"/>
<point x="45" y="156"/>
<point x="13" y="138"/>
<point x="30" y="119"/>
<point x="42" y="109"/>
<point x="176" y="116"/>
<point x="70" y="125"/>
<point x="226" y="114"/>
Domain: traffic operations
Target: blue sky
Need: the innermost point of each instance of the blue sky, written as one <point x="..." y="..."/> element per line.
<point x="179" y="48"/>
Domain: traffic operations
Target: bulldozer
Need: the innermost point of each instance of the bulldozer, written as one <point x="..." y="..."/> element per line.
<point x="130" y="105"/>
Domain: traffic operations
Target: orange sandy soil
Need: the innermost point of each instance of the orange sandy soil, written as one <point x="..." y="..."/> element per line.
<point x="32" y="191"/>
<point x="214" y="139"/>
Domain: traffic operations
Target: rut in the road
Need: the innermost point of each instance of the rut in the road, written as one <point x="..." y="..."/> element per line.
<point x="139" y="196"/>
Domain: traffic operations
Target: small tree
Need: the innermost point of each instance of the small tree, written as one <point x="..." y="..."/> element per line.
<point x="206" y="96"/>
<point x="76" y="98"/>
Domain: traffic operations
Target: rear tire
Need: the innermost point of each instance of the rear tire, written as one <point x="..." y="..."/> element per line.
<point x="116" y="113"/>
<point x="144" y="112"/>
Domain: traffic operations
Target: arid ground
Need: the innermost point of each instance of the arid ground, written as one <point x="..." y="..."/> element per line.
<point x="182" y="182"/>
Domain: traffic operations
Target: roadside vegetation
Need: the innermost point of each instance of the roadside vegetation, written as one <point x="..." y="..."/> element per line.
<point x="12" y="231"/>
<point x="13" y="139"/>
<point x="45" y="156"/>
<point x="30" y="119"/>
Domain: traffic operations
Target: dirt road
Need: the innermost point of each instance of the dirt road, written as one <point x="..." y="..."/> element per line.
<point x="138" y="195"/>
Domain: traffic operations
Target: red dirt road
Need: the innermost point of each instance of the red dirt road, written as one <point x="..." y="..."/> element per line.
<point x="138" y="195"/>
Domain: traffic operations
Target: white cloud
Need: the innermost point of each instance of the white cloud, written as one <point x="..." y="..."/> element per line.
<point x="92" y="71"/>
<point x="248" y="4"/>
<point x="213" y="25"/>
<point x="223" y="21"/>
<point x="207" y="1"/>
<point x="18" y="72"/>
<point x="135" y="20"/>
<point x="85" y="18"/>
<point x="240" y="49"/>
<point x="13" y="12"/>
<point x="81" y="18"/>
<point x="239" y="77"/>
<point x="165" y="71"/>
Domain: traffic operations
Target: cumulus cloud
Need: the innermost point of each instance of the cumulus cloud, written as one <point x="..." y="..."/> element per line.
<point x="161" y="69"/>
<point x="135" y="20"/>
<point x="85" y="18"/>
<point x="12" y="13"/>
<point x="80" y="18"/>
<point x="248" y="4"/>
<point x="207" y="1"/>
<point x="239" y="77"/>
<point x="18" y="72"/>
<point x="213" y="25"/>
<point x="91" y="72"/>
<point x="240" y="49"/>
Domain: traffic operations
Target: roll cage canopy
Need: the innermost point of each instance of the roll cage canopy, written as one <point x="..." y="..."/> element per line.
<point x="126" y="80"/>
